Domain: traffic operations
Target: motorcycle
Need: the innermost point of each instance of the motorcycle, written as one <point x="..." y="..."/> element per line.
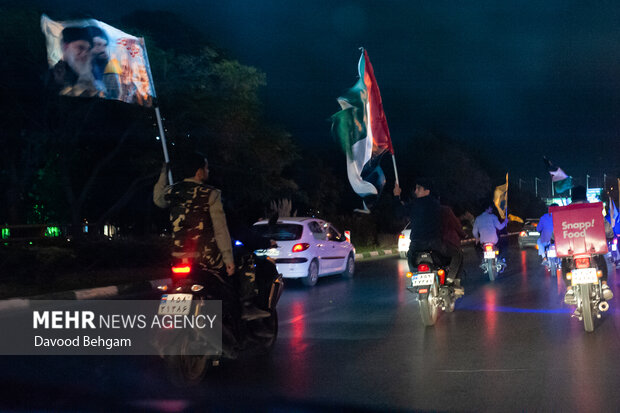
<point x="491" y="264"/>
<point x="614" y="254"/>
<point x="553" y="262"/>
<point x="588" y="289"/>
<point x="429" y="283"/>
<point x="189" y="354"/>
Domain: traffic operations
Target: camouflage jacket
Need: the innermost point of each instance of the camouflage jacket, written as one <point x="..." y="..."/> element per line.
<point x="199" y="229"/>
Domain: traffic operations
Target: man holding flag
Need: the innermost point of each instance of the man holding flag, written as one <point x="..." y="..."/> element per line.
<point x="362" y="132"/>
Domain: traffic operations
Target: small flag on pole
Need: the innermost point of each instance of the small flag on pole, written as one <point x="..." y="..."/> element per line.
<point x="562" y="183"/>
<point x="500" y="199"/>
<point x="362" y="132"/>
<point x="89" y="58"/>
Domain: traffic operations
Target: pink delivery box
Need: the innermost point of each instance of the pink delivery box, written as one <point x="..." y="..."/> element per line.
<point x="579" y="229"/>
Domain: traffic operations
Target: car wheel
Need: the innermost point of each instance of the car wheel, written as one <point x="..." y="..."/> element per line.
<point x="350" y="268"/>
<point x="313" y="274"/>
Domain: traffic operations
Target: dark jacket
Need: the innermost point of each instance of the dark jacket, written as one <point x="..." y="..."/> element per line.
<point x="424" y="216"/>
<point x="451" y="230"/>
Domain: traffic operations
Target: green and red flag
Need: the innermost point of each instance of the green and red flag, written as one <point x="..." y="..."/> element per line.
<point x="362" y="132"/>
<point x="562" y="183"/>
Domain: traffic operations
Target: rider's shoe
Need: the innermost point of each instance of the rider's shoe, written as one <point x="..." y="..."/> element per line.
<point x="569" y="297"/>
<point x="607" y="294"/>
<point x="251" y="312"/>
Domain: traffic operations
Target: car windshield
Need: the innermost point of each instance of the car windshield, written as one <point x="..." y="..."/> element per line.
<point x="280" y="232"/>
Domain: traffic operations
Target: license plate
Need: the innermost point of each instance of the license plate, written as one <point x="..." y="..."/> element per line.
<point x="489" y="255"/>
<point x="551" y="253"/>
<point x="422" y="279"/>
<point x="175" y="304"/>
<point x="534" y="233"/>
<point x="584" y="276"/>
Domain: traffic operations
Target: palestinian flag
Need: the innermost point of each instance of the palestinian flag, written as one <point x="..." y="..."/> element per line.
<point x="562" y="183"/>
<point x="362" y="132"/>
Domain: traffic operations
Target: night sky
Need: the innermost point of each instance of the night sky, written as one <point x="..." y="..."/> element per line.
<point x="517" y="80"/>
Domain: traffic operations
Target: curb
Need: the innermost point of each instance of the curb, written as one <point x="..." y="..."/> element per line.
<point x="374" y="254"/>
<point x="85" y="294"/>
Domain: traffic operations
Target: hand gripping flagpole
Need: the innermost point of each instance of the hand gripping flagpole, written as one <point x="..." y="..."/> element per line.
<point x="157" y="114"/>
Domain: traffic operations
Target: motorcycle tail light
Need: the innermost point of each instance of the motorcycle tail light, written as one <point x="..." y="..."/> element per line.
<point x="522" y="234"/>
<point x="423" y="290"/>
<point x="488" y="247"/>
<point x="423" y="268"/>
<point x="401" y="236"/>
<point x="442" y="277"/>
<point x="300" y="247"/>
<point x="616" y="241"/>
<point x="181" y="269"/>
<point x="583" y="262"/>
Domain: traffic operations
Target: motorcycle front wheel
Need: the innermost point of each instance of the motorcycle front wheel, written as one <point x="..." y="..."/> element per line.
<point x="184" y="369"/>
<point x="270" y="325"/>
<point x="586" y="307"/>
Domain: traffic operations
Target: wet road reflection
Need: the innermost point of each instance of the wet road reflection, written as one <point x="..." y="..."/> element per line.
<point x="511" y="345"/>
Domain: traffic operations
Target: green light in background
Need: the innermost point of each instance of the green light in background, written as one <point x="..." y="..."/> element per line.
<point x="52" y="232"/>
<point x="6" y="232"/>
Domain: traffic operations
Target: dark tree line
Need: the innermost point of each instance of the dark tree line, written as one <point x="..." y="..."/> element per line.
<point x="66" y="160"/>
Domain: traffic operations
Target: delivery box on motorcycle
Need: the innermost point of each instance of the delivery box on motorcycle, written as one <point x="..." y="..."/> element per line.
<point x="579" y="229"/>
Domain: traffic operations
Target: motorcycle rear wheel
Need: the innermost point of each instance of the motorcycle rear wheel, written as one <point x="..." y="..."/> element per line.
<point x="586" y="307"/>
<point x="553" y="268"/>
<point x="491" y="270"/>
<point x="428" y="311"/>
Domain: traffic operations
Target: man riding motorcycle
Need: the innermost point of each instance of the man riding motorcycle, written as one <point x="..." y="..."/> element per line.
<point x="425" y="217"/>
<point x="486" y="226"/>
<point x="199" y="229"/>
<point x="579" y="196"/>
<point x="545" y="227"/>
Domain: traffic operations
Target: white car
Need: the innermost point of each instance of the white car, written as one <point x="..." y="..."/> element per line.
<point x="308" y="248"/>
<point x="404" y="241"/>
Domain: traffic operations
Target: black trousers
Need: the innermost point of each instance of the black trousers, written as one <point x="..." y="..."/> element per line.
<point x="455" y="254"/>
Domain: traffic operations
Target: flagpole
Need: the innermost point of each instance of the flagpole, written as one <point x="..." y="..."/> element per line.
<point x="395" y="170"/>
<point x="163" y="142"/>
<point x="157" y="113"/>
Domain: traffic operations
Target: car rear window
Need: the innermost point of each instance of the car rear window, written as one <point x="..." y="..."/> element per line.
<point x="280" y="232"/>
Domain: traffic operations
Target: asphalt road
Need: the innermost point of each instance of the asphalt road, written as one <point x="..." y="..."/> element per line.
<point x="357" y="344"/>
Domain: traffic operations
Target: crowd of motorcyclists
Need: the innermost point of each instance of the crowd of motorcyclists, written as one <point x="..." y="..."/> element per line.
<point x="429" y="228"/>
<point x="201" y="235"/>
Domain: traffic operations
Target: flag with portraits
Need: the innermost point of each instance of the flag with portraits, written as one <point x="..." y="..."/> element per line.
<point x="89" y="58"/>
